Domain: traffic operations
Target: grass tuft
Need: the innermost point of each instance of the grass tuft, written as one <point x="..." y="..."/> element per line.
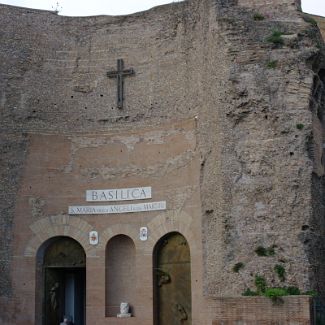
<point x="260" y="284"/>
<point x="249" y="293"/>
<point x="265" y="251"/>
<point x="258" y="17"/>
<point x="275" y="38"/>
<point x="272" y="64"/>
<point x="280" y="271"/>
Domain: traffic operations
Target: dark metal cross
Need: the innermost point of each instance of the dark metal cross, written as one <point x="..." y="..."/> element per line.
<point x="120" y="74"/>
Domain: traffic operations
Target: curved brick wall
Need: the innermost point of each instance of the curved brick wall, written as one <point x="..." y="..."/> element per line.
<point x="230" y="139"/>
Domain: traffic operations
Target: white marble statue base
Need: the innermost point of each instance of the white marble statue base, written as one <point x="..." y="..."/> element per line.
<point x="123" y="315"/>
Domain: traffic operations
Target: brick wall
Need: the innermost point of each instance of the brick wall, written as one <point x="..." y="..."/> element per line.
<point x="295" y="310"/>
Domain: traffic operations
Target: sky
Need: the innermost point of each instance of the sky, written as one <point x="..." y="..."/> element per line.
<point x="122" y="7"/>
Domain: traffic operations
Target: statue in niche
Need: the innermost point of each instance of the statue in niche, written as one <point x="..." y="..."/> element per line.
<point x="66" y="321"/>
<point x="181" y="312"/>
<point x="54" y="296"/>
<point x="124" y="310"/>
<point x="163" y="278"/>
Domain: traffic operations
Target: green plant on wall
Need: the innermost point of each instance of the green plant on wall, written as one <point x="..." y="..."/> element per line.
<point x="293" y="291"/>
<point x="280" y="271"/>
<point x="312" y="293"/>
<point x="275" y="38"/>
<point x="272" y="64"/>
<point x="274" y="293"/>
<point x="260" y="284"/>
<point x="249" y="293"/>
<point x="258" y="17"/>
<point x="265" y="251"/>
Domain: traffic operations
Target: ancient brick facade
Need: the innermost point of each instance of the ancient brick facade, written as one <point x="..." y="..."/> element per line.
<point x="223" y="123"/>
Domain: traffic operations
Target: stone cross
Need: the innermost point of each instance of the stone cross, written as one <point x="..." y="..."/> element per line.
<point x="120" y="74"/>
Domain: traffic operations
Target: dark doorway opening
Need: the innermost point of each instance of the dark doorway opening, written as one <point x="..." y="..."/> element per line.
<point x="172" y="281"/>
<point x="64" y="295"/>
<point x="62" y="277"/>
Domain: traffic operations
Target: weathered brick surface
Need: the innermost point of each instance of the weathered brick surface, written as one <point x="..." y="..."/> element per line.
<point x="262" y="311"/>
<point x="233" y="143"/>
<point x="13" y="151"/>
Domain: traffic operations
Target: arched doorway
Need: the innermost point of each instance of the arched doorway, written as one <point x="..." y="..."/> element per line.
<point x="63" y="281"/>
<point x="172" y="281"/>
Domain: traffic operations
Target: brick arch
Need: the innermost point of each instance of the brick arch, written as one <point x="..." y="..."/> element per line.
<point x="170" y="221"/>
<point x="115" y="230"/>
<point x="167" y="222"/>
<point x="59" y="225"/>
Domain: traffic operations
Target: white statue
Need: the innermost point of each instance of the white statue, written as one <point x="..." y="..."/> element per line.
<point x="66" y="321"/>
<point x="124" y="310"/>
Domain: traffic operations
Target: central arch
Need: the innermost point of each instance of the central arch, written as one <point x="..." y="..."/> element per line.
<point x="172" y="281"/>
<point x="61" y="281"/>
<point x="120" y="274"/>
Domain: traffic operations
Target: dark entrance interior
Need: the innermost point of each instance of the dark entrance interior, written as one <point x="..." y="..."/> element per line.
<point x="64" y="282"/>
<point x="172" y="281"/>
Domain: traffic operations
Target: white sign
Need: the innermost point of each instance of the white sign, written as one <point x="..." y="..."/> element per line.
<point x="121" y="208"/>
<point x="120" y="194"/>
<point x="93" y="238"/>
<point x="143" y="233"/>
